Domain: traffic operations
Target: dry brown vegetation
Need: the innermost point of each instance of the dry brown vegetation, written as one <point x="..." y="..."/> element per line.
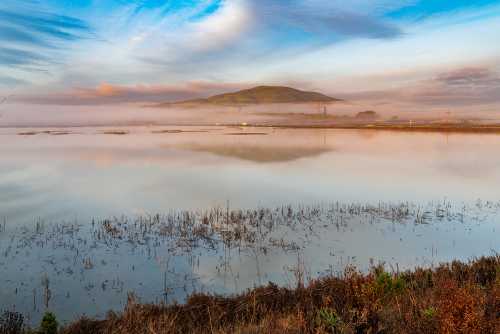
<point x="452" y="298"/>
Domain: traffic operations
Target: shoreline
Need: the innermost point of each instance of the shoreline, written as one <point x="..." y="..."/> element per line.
<point x="452" y="297"/>
<point x="438" y="128"/>
<point x="388" y="127"/>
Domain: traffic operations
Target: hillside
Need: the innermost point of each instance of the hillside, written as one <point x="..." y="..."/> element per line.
<point x="260" y="95"/>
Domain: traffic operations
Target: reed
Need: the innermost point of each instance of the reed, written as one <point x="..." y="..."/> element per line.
<point x="452" y="298"/>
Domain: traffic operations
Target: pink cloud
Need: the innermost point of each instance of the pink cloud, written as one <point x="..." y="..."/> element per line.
<point x="107" y="93"/>
<point x="468" y="86"/>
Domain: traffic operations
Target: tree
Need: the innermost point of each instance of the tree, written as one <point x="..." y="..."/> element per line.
<point x="49" y="324"/>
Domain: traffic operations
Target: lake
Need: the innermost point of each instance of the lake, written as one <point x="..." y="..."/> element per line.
<point x="89" y="215"/>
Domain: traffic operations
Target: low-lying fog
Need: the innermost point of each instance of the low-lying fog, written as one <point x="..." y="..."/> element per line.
<point x="21" y="115"/>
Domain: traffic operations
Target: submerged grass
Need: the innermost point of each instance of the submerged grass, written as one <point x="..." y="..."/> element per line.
<point x="452" y="298"/>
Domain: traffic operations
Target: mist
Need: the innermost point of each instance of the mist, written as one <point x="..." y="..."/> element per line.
<point x="26" y="115"/>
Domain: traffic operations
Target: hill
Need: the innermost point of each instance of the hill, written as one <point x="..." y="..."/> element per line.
<point x="260" y="95"/>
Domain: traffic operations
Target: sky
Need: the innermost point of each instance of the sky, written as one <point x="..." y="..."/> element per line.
<point x="424" y="53"/>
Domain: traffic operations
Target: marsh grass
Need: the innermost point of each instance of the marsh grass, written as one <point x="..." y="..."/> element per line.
<point x="464" y="298"/>
<point x="224" y="233"/>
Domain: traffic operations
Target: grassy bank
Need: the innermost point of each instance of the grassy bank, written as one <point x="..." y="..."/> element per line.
<point x="452" y="298"/>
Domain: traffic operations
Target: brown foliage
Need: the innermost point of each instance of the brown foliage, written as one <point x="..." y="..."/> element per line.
<point x="455" y="298"/>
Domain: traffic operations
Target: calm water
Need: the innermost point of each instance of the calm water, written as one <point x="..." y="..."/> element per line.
<point x="54" y="185"/>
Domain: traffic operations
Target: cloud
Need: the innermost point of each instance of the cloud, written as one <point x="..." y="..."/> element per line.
<point x="332" y="45"/>
<point x="106" y="93"/>
<point x="225" y="26"/>
<point x="196" y="39"/>
<point x="40" y="28"/>
<point x="8" y="81"/>
<point x="16" y="57"/>
<point x="32" y="38"/>
<point x="467" y="86"/>
<point x="320" y="18"/>
<point x="469" y="76"/>
<point x="464" y="86"/>
<point x="242" y="30"/>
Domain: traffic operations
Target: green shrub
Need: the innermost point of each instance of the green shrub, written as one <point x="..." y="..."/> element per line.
<point x="386" y="284"/>
<point x="329" y="319"/>
<point x="49" y="324"/>
<point x="429" y="312"/>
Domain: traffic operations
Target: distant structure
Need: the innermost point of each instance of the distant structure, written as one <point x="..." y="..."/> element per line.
<point x="2" y="101"/>
<point x="448" y="118"/>
<point x="323" y="109"/>
<point x="367" y="115"/>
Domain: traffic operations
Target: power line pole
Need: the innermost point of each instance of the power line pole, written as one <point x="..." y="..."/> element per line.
<point x="2" y="101"/>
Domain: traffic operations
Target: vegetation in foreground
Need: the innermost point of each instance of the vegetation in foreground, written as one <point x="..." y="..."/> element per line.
<point x="452" y="298"/>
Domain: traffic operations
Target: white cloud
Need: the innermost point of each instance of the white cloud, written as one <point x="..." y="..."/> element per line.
<point x="226" y="26"/>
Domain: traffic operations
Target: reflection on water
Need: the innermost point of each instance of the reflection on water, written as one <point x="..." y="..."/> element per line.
<point x="255" y="152"/>
<point x="57" y="186"/>
<point x="88" y="173"/>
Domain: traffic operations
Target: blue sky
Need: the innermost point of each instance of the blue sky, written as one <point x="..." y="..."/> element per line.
<point x="115" y="51"/>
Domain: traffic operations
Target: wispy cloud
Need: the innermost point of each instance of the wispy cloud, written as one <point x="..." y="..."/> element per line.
<point x="246" y="28"/>
<point x="43" y="25"/>
<point x="324" y="19"/>
<point x="467" y="86"/>
<point x="18" y="57"/>
<point x="33" y="37"/>
<point x="10" y="81"/>
<point x="475" y="77"/>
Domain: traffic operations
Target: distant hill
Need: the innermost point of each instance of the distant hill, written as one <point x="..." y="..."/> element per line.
<point x="260" y="95"/>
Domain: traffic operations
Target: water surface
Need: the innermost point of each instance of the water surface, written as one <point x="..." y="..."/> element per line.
<point x="58" y="185"/>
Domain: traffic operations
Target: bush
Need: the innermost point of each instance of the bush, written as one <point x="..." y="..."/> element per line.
<point x="386" y="284"/>
<point x="49" y="324"/>
<point x="429" y="312"/>
<point x="329" y="319"/>
<point x="11" y="323"/>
